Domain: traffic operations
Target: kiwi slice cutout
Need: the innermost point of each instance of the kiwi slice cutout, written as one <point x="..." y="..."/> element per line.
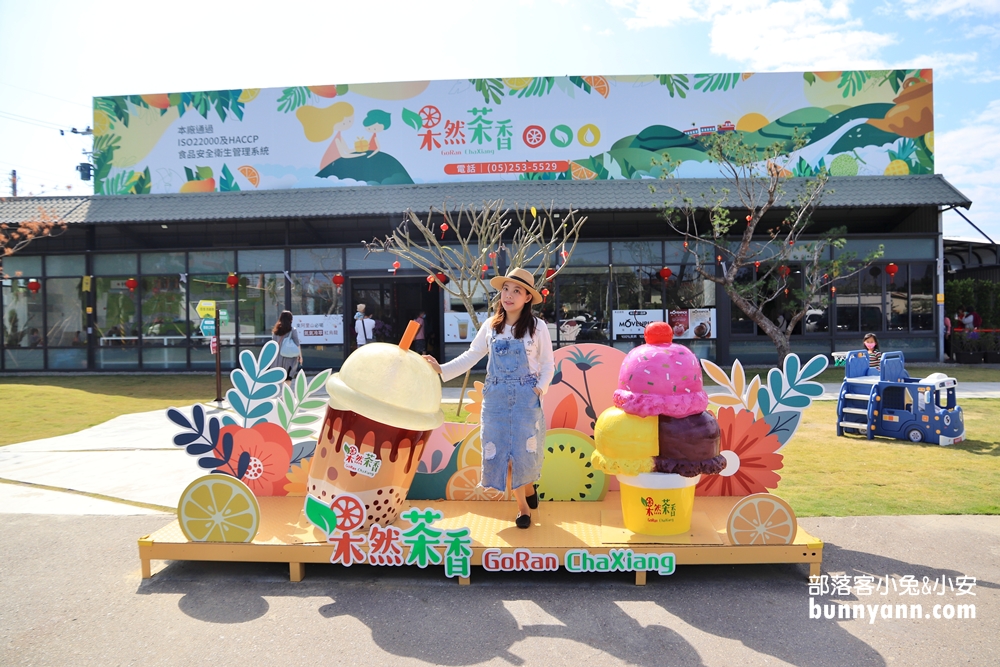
<point x="567" y="473"/>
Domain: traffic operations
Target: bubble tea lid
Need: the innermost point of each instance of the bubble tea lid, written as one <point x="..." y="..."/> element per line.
<point x="390" y="384"/>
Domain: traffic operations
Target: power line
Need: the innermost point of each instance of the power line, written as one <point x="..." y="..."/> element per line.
<point x="51" y="97"/>
<point x="32" y="121"/>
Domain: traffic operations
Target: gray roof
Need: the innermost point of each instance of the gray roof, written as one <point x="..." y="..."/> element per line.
<point x="615" y="195"/>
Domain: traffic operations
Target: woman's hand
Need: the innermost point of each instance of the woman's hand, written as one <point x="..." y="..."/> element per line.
<point x="538" y="392"/>
<point x="433" y="362"/>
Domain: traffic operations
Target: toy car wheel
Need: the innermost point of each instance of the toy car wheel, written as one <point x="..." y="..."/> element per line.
<point x="914" y="435"/>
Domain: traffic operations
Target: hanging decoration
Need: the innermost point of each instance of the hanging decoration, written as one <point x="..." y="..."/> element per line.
<point x="430" y="282"/>
<point x="232" y="280"/>
<point x="549" y="273"/>
<point x="444" y="228"/>
<point x="874" y="272"/>
<point x="485" y="269"/>
<point x="784" y="271"/>
<point x="338" y="280"/>
<point x="545" y="294"/>
<point x="665" y="272"/>
<point x="395" y="267"/>
<point x="442" y="278"/>
<point x="892" y="270"/>
<point x="131" y="284"/>
<point x="34" y="286"/>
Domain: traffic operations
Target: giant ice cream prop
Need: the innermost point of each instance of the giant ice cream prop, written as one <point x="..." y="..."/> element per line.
<point x="384" y="403"/>
<point x="658" y="439"/>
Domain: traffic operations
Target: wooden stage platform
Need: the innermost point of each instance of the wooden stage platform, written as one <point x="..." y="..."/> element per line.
<point x="285" y="536"/>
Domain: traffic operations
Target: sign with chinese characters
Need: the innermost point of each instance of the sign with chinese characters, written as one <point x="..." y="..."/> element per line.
<point x="366" y="464"/>
<point x="524" y="128"/>
<point x="319" y="329"/>
<point x="206" y="308"/>
<point x="630" y="324"/>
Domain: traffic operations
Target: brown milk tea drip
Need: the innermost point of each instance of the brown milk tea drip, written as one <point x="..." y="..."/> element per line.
<point x="370" y="433"/>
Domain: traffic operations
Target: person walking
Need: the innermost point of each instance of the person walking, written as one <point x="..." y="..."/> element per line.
<point x="365" y="329"/>
<point x="289" y="348"/>
<point x="518" y="373"/>
<point x="420" y="339"/>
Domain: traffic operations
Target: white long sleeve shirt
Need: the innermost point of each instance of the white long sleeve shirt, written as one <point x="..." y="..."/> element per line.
<point x="538" y="350"/>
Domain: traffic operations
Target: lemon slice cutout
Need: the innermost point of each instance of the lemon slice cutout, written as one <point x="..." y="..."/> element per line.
<point x="218" y="508"/>
<point x="464" y="485"/>
<point x="761" y="518"/>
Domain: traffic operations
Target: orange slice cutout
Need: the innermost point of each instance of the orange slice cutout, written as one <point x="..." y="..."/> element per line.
<point x="599" y="84"/>
<point x="251" y="174"/>
<point x="761" y="518"/>
<point x="464" y="485"/>
<point x="349" y="510"/>
<point x="581" y="173"/>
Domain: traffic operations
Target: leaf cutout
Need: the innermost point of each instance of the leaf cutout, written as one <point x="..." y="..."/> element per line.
<point x="268" y="354"/>
<point x="208" y="462"/>
<point x="177" y="417"/>
<point x="739" y="378"/>
<point x="750" y="398"/>
<point x="717" y="374"/>
<point x="792" y="369"/>
<point x="265" y="392"/>
<point x="260" y="411"/>
<point x="313" y="404"/>
<point x="776" y="383"/>
<point x="240" y="382"/>
<point x="814" y="367"/>
<point x="300" y="386"/>
<point x="242" y="465"/>
<point x="814" y="389"/>
<point x="228" y="421"/>
<point x="236" y="402"/>
<point x="184" y="439"/>
<point x="213" y="430"/>
<point x="783" y="425"/>
<point x="412" y="119"/>
<point x="249" y="365"/>
<point x="318" y="382"/>
<point x="565" y="414"/>
<point x="198" y="413"/>
<point x="422" y="468"/>
<point x="301" y="433"/>
<point x="305" y="419"/>
<point x="227" y="447"/>
<point x="272" y="376"/>
<point x="320" y="515"/>
<point x="764" y="401"/>
<point x="302" y="450"/>
<point x="198" y="448"/>
<point x="436" y="458"/>
<point x="796" y="401"/>
<point x="726" y="400"/>
<point x="282" y="416"/>
<point x="289" y="398"/>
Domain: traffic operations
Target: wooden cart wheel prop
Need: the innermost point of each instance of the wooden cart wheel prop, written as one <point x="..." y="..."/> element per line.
<point x="761" y="518"/>
<point x="218" y="508"/>
<point x="349" y="510"/>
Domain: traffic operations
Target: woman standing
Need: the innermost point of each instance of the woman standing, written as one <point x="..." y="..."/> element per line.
<point x="518" y="373"/>
<point x="289" y="348"/>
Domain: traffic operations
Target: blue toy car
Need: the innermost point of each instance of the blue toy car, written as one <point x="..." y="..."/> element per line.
<point x="888" y="402"/>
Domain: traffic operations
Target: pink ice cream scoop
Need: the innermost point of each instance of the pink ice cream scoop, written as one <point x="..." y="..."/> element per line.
<point x="660" y="378"/>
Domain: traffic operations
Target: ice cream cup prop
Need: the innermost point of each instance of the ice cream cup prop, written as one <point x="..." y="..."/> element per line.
<point x="657" y="503"/>
<point x="383" y="405"/>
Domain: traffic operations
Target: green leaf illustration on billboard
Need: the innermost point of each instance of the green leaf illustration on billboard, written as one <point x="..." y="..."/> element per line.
<point x="227" y="183"/>
<point x="413" y="119"/>
<point x="708" y="83"/>
<point x="292" y="98"/>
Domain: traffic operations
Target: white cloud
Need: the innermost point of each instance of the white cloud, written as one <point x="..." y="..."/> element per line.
<point x="945" y="65"/>
<point x="967" y="158"/>
<point x="925" y="9"/>
<point x="770" y="34"/>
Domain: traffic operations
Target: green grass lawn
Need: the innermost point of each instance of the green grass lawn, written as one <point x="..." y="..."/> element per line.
<point x="823" y="475"/>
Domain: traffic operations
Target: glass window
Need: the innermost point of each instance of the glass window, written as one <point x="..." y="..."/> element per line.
<point x="65" y="265"/>
<point x="870" y="288"/>
<point x="211" y="261"/>
<point x="67" y="307"/>
<point x="21" y="266"/>
<point x="22" y="315"/>
<point x="636" y="287"/>
<point x="116" y="324"/>
<point x="115" y="265"/>
<point x="315" y="296"/>
<point x="590" y="254"/>
<point x="847" y="304"/>
<point x="897" y="307"/>
<point x="317" y="259"/>
<point x="686" y="289"/>
<point x="923" y="279"/>
<point x="212" y="287"/>
<point x="261" y="300"/>
<point x="261" y="260"/>
<point x="583" y="306"/>
<point x="895" y="248"/>
<point x="782" y="308"/>
<point x="165" y="325"/>
<point x="637" y="252"/>
<point x="162" y="262"/>
<point x="361" y="259"/>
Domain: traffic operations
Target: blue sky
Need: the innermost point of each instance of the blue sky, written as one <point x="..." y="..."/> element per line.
<point x="57" y="55"/>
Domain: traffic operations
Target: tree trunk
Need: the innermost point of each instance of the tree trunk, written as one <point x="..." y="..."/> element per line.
<point x="780" y="338"/>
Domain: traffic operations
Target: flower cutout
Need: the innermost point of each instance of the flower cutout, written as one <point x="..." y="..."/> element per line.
<point x="259" y="458"/>
<point x="298" y="478"/>
<point x="475" y="405"/>
<point x="751" y="457"/>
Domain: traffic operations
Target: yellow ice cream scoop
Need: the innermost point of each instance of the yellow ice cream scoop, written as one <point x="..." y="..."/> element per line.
<point x="619" y="435"/>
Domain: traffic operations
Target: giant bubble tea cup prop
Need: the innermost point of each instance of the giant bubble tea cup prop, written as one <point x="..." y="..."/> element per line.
<point x="384" y="403"/>
<point x="659" y="439"/>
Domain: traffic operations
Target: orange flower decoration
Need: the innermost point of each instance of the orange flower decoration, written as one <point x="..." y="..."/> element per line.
<point x="475" y="405"/>
<point x="270" y="451"/>
<point x="298" y="478"/>
<point x="751" y="457"/>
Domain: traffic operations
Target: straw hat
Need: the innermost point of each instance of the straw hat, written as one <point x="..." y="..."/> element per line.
<point x="518" y="276"/>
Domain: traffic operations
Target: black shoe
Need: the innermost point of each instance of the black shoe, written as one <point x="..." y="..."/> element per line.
<point x="523" y="521"/>
<point x="533" y="500"/>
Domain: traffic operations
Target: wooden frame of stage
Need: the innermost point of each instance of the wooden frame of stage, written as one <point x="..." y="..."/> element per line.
<point x="285" y="536"/>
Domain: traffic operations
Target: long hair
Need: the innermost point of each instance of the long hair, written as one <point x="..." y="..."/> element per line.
<point x="525" y="323"/>
<point x="284" y="323"/>
<point x="874" y="338"/>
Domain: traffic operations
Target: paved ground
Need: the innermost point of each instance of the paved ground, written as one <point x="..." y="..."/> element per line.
<point x="71" y="591"/>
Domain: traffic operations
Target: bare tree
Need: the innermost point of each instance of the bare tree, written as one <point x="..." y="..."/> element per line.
<point x="14" y="236"/>
<point x="749" y="259"/>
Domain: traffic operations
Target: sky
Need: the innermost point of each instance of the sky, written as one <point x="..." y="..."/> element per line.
<point x="57" y="55"/>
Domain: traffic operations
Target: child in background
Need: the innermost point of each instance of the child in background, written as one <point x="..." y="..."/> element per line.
<point x="874" y="354"/>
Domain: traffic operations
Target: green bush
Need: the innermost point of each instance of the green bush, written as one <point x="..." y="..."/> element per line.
<point x="982" y="295"/>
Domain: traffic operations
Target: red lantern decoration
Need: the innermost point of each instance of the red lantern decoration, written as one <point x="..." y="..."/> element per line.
<point x="685" y="245"/>
<point x="784" y="271"/>
<point x="444" y="228"/>
<point x="485" y="269"/>
<point x="665" y="272"/>
<point x="892" y="270"/>
<point x="395" y="266"/>
<point x="545" y="293"/>
<point x="549" y="273"/>
<point x="749" y="218"/>
<point x="430" y="281"/>
<point x="565" y="254"/>
<point x="232" y="280"/>
<point x="338" y="280"/>
<point x="442" y="278"/>
<point x="34" y="286"/>
<point x="131" y="284"/>
<point x="756" y="265"/>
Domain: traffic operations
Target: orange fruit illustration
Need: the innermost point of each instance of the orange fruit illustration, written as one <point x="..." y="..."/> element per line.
<point x="581" y="173"/>
<point x="599" y="84"/>
<point x="251" y="174"/>
<point x="828" y="76"/>
<point x="207" y="185"/>
<point x="324" y="91"/>
<point x="160" y="101"/>
<point x="464" y="485"/>
<point x="349" y="510"/>
<point x="761" y="518"/>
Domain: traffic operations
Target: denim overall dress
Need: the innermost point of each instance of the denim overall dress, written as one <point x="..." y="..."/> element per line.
<point x="512" y="420"/>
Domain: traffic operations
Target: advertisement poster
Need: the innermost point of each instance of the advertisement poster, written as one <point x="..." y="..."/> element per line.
<point x="692" y="323"/>
<point x="532" y="128"/>
<point x="630" y="324"/>
<point x="319" y="329"/>
<point x="458" y="327"/>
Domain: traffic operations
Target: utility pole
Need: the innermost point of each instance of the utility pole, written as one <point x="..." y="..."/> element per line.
<point x="13" y="182"/>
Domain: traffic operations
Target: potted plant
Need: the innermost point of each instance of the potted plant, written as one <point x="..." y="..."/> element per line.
<point x="991" y="343"/>
<point x="968" y="347"/>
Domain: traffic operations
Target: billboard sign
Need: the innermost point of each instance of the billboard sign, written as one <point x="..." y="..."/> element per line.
<point x="531" y="128"/>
